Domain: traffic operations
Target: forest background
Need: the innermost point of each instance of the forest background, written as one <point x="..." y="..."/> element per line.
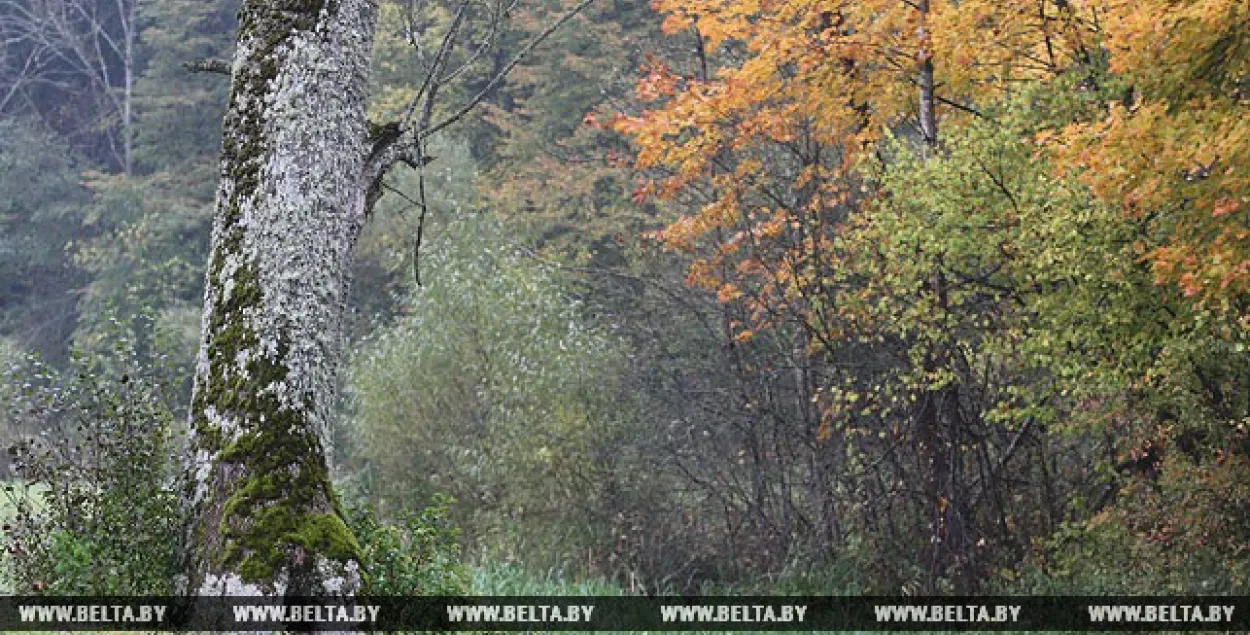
<point x="824" y="296"/>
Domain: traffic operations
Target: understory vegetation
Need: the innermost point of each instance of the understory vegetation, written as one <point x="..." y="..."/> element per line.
<point x="695" y="301"/>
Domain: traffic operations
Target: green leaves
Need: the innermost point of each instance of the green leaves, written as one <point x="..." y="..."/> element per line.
<point x="96" y="493"/>
<point x="418" y="554"/>
<point x="491" y="388"/>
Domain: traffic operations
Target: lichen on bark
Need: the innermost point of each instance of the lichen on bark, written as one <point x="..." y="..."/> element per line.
<point x="262" y="515"/>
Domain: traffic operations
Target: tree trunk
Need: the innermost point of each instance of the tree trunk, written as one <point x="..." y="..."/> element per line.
<point x="262" y="515"/>
<point x="937" y="418"/>
<point x="927" y="103"/>
<point x="130" y="26"/>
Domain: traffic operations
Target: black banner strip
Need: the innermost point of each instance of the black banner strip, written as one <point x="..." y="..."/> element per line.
<point x="774" y="613"/>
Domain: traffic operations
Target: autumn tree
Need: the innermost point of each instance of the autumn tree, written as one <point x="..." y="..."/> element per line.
<point x="769" y="136"/>
<point x="903" y="186"/>
<point x="551" y="167"/>
<point x="1173" y="149"/>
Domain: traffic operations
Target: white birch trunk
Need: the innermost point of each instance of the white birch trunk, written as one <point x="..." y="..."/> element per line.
<point x="928" y="99"/>
<point x="263" y="519"/>
<point x="129" y="16"/>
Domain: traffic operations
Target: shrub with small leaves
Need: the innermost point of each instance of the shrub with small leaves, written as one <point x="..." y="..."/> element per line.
<point x="1182" y="533"/>
<point x="95" y="499"/>
<point x="419" y="554"/>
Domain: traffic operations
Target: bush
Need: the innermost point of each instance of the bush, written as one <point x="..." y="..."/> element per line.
<point x="1182" y="534"/>
<point x="495" y="389"/>
<point x="95" y="502"/>
<point x="95" y="496"/>
<point x="419" y="555"/>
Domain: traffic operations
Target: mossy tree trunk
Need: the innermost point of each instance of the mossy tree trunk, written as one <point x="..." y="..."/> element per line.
<point x="301" y="167"/>
<point x="263" y="518"/>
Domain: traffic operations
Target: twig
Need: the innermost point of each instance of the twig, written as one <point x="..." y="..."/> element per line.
<point x="499" y="77"/>
<point x="208" y="65"/>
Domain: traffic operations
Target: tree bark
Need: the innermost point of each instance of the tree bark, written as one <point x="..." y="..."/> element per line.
<point x="130" y="26"/>
<point x="927" y="101"/>
<point x="262" y="516"/>
<point x="937" y="418"/>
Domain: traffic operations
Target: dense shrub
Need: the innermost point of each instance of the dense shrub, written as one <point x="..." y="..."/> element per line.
<point x="95" y="494"/>
<point x="417" y="555"/>
<point x="95" y="505"/>
<point x="493" y="389"/>
<point x="1184" y="533"/>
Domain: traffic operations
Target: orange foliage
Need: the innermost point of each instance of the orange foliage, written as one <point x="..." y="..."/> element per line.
<point x="788" y="95"/>
<point x="763" y="135"/>
<point x="1178" y="152"/>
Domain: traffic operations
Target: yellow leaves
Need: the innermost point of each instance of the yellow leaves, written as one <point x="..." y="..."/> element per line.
<point x="825" y="431"/>
<point x="1180" y="154"/>
<point x="716" y="20"/>
<point x="676" y="23"/>
<point x="1174" y="48"/>
<point x="658" y="81"/>
<point x="835" y="75"/>
<point x="702" y="274"/>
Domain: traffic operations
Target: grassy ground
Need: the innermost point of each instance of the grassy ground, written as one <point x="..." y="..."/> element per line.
<point x="496" y="580"/>
<point x="489" y="580"/>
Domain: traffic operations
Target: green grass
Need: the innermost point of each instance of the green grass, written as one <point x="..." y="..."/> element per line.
<point x="502" y="579"/>
<point x="497" y="580"/>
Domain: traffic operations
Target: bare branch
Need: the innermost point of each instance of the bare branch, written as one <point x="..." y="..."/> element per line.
<point x="76" y="46"/>
<point x="501" y="75"/>
<point x="406" y="145"/>
<point x="208" y="66"/>
<point x="486" y="45"/>
<point x="429" y="86"/>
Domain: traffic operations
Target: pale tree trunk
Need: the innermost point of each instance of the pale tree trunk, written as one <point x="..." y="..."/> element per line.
<point x="937" y="413"/>
<point x="927" y="102"/>
<point x="300" y="169"/>
<point x="262" y="515"/>
<point x="130" y="26"/>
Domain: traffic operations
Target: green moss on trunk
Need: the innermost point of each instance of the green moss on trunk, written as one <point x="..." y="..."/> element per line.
<point x="274" y="516"/>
